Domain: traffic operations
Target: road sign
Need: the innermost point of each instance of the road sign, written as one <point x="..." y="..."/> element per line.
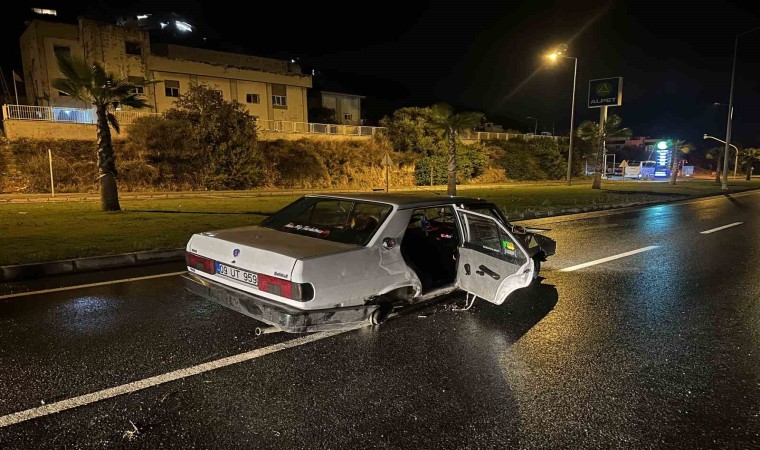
<point x="387" y="160"/>
<point x="605" y="92"/>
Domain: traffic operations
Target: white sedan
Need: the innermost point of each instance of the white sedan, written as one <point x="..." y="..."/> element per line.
<point x="329" y="262"/>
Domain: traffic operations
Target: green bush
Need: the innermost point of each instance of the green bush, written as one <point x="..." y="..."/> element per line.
<point x="473" y="160"/>
<point x="532" y="159"/>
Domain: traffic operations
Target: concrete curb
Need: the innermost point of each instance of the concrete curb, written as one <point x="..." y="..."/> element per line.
<point x="70" y="266"/>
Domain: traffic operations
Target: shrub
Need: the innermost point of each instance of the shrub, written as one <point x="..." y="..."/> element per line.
<point x="534" y="159"/>
<point x="472" y="159"/>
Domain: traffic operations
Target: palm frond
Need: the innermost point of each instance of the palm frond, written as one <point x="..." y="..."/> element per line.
<point x="441" y="111"/>
<point x="74" y="70"/>
<point x="114" y="122"/>
<point x="466" y="120"/>
<point x="134" y="101"/>
<point x="76" y="91"/>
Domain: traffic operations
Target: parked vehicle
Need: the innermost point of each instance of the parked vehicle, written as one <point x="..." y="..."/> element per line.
<point x="331" y="262"/>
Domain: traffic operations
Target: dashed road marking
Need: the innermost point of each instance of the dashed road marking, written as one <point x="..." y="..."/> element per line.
<point x="82" y="286"/>
<point x="74" y="402"/>
<point x="609" y="258"/>
<point x="713" y="230"/>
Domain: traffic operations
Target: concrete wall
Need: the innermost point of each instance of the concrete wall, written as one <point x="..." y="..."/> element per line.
<point x="222" y="58"/>
<point x="30" y="129"/>
<point x="343" y="104"/>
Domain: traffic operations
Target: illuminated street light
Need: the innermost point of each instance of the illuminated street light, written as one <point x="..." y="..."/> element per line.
<point x="662" y="145"/>
<point x="183" y="26"/>
<point x="558" y="53"/>
<point x="535" y="127"/>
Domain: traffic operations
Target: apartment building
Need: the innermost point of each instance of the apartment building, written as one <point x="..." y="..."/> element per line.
<point x="270" y="89"/>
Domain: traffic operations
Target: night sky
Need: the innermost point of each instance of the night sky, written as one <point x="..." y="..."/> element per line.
<point x="675" y="57"/>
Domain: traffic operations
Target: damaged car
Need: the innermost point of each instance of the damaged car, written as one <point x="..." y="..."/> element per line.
<point x="329" y="262"/>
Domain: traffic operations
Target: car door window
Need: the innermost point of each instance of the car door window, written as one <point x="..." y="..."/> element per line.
<point x="486" y="235"/>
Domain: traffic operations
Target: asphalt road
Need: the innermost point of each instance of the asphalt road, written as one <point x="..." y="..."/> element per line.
<point x="657" y="349"/>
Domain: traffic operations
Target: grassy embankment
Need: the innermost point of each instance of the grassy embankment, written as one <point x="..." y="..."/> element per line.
<point x="37" y="232"/>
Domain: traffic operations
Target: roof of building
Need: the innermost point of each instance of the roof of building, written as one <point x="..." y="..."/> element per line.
<point x="403" y="201"/>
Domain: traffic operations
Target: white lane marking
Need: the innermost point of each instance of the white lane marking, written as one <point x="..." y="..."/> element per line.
<point x="82" y="286"/>
<point x="609" y="258"/>
<point x="713" y="230"/>
<point x="74" y="402"/>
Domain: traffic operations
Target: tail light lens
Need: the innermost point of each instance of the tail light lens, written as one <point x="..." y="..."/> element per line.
<point x="302" y="292"/>
<point x="200" y="263"/>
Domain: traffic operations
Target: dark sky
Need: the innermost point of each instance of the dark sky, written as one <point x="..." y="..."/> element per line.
<point x="675" y="57"/>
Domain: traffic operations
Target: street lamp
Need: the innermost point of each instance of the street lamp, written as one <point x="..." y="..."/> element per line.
<point x="724" y="185"/>
<point x="559" y="53"/>
<point x="736" y="162"/>
<point x="535" y="127"/>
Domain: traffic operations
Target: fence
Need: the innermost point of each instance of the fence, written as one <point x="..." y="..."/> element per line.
<point x="64" y="114"/>
<point x="126" y="117"/>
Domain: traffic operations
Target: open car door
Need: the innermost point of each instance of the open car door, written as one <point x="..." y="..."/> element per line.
<point x="492" y="263"/>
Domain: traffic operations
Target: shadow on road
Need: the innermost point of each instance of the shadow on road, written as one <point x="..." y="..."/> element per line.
<point x="736" y="202"/>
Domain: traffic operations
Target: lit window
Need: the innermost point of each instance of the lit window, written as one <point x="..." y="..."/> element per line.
<point x="171" y="88"/>
<point x="279" y="100"/>
<point x="45" y="12"/>
<point x="218" y="93"/>
<point x="348" y="117"/>
<point x="133" y="48"/>
<point x="252" y="98"/>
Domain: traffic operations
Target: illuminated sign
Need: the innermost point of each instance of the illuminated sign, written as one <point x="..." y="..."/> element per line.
<point x="605" y="92"/>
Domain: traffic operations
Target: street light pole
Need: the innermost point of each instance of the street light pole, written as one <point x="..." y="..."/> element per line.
<point x="558" y="53"/>
<point x="736" y="160"/>
<point x="572" y="130"/>
<point x="724" y="184"/>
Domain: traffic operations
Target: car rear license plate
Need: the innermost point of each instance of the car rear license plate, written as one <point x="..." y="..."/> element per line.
<point x="237" y="274"/>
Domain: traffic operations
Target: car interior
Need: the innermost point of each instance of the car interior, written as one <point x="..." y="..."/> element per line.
<point x="429" y="246"/>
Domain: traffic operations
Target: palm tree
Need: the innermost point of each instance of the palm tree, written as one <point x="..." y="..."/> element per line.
<point x="716" y="153"/>
<point x="679" y="147"/>
<point x="91" y="84"/>
<point x="444" y="119"/>
<point x="749" y="156"/>
<point x="597" y="135"/>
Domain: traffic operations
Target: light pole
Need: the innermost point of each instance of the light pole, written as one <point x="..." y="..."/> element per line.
<point x="553" y="57"/>
<point x="736" y="161"/>
<point x="535" y="127"/>
<point x="724" y="185"/>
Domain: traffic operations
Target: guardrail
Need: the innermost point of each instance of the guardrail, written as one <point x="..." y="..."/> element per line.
<point x="488" y="136"/>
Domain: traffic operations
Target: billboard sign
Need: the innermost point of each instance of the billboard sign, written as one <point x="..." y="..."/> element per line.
<point x="605" y="92"/>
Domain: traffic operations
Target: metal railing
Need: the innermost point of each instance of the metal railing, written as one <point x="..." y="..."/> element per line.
<point x="286" y="126"/>
<point x="126" y="117"/>
<point x="67" y="115"/>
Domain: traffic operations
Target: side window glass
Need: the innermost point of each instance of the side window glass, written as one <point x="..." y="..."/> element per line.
<point x="487" y="236"/>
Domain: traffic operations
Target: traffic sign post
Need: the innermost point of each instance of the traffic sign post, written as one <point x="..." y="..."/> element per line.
<point x="387" y="163"/>
<point x="603" y="93"/>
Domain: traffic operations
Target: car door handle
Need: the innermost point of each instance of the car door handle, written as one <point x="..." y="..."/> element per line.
<point x="466" y="269"/>
<point x="485" y="270"/>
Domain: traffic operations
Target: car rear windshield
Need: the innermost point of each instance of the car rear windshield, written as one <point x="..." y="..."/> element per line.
<point x="337" y="220"/>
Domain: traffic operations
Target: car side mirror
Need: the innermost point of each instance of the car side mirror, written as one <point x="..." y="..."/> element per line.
<point x="389" y="243"/>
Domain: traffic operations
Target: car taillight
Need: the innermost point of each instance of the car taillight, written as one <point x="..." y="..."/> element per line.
<point x="302" y="292"/>
<point x="200" y="263"/>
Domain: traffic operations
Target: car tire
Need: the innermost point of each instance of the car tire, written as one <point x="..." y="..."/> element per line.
<point x="379" y="315"/>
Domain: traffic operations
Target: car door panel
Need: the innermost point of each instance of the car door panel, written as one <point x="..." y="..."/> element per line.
<point x="491" y="264"/>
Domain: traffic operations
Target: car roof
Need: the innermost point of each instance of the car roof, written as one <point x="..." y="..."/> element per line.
<point x="404" y="201"/>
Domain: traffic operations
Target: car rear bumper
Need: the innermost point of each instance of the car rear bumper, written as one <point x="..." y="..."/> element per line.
<point x="283" y="317"/>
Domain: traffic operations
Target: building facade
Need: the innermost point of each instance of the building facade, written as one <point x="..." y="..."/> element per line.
<point x="347" y="107"/>
<point x="270" y="89"/>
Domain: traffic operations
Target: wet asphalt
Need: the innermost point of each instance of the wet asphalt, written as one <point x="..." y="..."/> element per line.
<point x="656" y="350"/>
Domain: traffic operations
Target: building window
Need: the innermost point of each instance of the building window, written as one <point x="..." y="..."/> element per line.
<point x="218" y="93"/>
<point x="279" y="96"/>
<point x="348" y="117"/>
<point x="252" y="98"/>
<point x="62" y="51"/>
<point x="171" y="88"/>
<point x="139" y="89"/>
<point x="45" y="12"/>
<point x="62" y="94"/>
<point x="133" y="48"/>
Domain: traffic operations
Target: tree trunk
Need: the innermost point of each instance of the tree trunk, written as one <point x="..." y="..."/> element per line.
<point x="717" y="170"/>
<point x="597" y="184"/>
<point x="674" y="166"/>
<point x="452" y="185"/>
<point x="109" y="195"/>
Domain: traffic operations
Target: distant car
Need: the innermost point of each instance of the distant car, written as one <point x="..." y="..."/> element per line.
<point x="338" y="261"/>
